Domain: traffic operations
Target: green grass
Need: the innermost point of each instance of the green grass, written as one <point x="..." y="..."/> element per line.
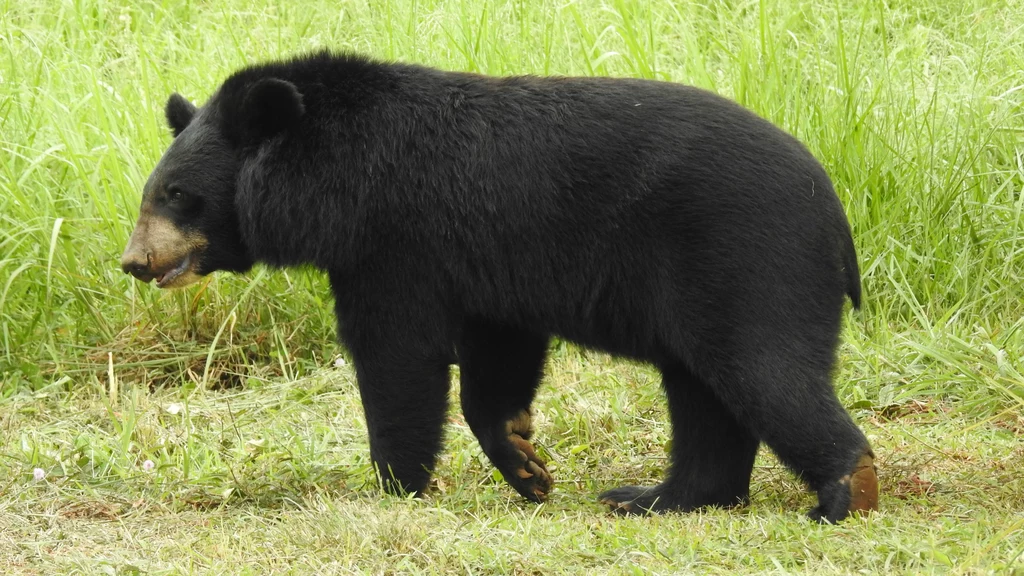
<point x="275" y="477"/>
<point x="915" y="108"/>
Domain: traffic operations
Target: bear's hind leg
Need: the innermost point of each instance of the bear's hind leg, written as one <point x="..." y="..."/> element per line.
<point x="784" y="393"/>
<point x="828" y="451"/>
<point x="712" y="454"/>
<point x="501" y="368"/>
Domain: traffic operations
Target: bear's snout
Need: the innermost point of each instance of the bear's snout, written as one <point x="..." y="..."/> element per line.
<point x="159" y="250"/>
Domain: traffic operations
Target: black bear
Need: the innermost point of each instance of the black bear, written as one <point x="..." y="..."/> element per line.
<point x="465" y="218"/>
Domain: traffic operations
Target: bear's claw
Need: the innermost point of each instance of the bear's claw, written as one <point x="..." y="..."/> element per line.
<point x="630" y="500"/>
<point x="532" y="479"/>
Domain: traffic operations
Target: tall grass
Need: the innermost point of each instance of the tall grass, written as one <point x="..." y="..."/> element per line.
<point x="914" y="108"/>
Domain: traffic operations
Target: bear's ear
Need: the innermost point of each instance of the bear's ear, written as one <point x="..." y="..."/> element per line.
<point x="270" y="106"/>
<point x="179" y="113"/>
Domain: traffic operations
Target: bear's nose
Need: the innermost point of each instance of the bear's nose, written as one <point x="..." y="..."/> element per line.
<point x="136" y="264"/>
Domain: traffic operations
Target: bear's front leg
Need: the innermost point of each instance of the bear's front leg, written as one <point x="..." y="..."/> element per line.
<point x="405" y="401"/>
<point x="501" y="367"/>
<point x="401" y="350"/>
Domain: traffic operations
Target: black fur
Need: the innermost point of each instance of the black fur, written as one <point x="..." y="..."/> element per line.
<point x="454" y="211"/>
<point x="179" y="113"/>
<point x="269" y="106"/>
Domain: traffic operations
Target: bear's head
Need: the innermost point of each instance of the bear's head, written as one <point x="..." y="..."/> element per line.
<point x="188" y="223"/>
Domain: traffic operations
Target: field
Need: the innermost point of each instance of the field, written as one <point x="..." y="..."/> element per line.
<point x="238" y="395"/>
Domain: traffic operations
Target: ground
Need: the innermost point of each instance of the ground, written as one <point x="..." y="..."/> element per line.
<point x="274" y="477"/>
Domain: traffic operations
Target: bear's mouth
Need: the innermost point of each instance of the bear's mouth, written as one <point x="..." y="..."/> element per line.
<point x="165" y="278"/>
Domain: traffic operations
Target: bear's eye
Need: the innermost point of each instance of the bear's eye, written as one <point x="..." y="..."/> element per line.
<point x="175" y="195"/>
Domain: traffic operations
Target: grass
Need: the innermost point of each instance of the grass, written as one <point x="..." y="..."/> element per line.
<point x="274" y="478"/>
<point x="915" y="109"/>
